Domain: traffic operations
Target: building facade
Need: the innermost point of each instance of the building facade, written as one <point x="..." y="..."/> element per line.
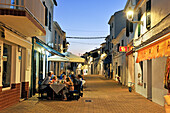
<point x="151" y="41"/>
<point x="20" y="23"/>
<point x="117" y="23"/>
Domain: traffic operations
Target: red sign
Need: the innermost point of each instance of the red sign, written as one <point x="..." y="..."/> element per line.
<point x="122" y="49"/>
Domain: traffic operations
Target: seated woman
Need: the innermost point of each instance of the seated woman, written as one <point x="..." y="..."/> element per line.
<point x="68" y="83"/>
<point x="54" y="80"/>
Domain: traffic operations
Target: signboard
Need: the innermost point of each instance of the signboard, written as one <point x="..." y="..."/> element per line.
<point x="122" y="49"/>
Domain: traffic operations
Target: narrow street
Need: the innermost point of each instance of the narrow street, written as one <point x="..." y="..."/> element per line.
<point x="106" y="97"/>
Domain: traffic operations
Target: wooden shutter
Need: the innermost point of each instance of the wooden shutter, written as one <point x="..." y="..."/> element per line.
<point x="148" y="14"/>
<point x="127" y="28"/>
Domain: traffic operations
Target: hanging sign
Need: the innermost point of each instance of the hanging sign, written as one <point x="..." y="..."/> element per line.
<point x="122" y="49"/>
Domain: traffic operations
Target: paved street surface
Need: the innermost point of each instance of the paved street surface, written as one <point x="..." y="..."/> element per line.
<point x="106" y="96"/>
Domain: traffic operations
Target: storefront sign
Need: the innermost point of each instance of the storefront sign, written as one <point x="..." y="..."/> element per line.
<point x="159" y="49"/>
<point x="122" y="49"/>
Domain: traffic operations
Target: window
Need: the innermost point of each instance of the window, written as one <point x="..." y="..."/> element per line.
<point x="46" y="14"/>
<point x="49" y="21"/>
<point x="122" y="42"/>
<point x="55" y="38"/>
<point x="6" y="79"/>
<point x="148" y="14"/>
<point x="59" y="39"/>
<point x="139" y="18"/>
<point x="112" y="25"/>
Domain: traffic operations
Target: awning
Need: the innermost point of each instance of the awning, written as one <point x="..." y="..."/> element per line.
<point x="57" y="58"/>
<point x="157" y="49"/>
<point x="48" y="48"/>
<point x="74" y="58"/>
<point x="108" y="59"/>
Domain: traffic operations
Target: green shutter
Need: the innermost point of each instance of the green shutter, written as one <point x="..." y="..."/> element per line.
<point x="138" y="30"/>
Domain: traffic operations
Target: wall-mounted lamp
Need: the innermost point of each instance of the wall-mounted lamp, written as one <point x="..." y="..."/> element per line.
<point x="19" y="48"/>
<point x="130" y="14"/>
<point x="67" y="44"/>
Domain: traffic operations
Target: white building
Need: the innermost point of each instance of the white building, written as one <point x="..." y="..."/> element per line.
<point x="117" y="22"/>
<point x="151" y="41"/>
<point x="20" y="20"/>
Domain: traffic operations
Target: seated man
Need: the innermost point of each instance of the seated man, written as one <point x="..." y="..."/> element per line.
<point x="45" y="85"/>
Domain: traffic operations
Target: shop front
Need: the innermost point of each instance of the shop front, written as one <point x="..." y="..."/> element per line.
<point x="152" y="69"/>
<point x="40" y="65"/>
<point x="15" y="67"/>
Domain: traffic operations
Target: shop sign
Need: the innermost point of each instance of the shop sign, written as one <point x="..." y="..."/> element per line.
<point x="159" y="49"/>
<point x="122" y="49"/>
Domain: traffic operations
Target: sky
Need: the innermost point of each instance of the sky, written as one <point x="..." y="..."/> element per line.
<point x="86" y="18"/>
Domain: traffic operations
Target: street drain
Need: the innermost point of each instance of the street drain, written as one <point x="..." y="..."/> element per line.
<point x="88" y="101"/>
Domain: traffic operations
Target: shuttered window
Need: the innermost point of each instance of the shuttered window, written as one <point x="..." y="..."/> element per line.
<point x="49" y="21"/>
<point x="46" y="14"/>
<point x="139" y="18"/>
<point x="148" y="14"/>
<point x="127" y="28"/>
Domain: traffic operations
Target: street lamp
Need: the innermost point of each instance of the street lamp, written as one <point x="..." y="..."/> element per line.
<point x="67" y="44"/>
<point x="130" y="14"/>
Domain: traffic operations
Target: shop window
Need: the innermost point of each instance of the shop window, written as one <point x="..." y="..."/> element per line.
<point x="140" y="76"/>
<point x="148" y="14"/>
<point x="6" y="79"/>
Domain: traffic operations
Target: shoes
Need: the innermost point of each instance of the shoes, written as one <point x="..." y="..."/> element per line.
<point x="64" y="99"/>
<point x="48" y="98"/>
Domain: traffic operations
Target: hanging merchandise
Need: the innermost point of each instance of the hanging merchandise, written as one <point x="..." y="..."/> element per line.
<point x="167" y="75"/>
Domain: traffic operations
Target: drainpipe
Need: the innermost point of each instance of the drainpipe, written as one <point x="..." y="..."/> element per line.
<point x="32" y="67"/>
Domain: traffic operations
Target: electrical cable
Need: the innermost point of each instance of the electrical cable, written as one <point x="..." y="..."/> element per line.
<point x="86" y="37"/>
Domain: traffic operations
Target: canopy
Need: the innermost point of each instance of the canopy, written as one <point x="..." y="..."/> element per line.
<point x="69" y="57"/>
<point x="57" y="58"/>
<point x="73" y="58"/>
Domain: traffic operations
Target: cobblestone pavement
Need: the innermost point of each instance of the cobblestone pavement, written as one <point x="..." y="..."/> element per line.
<point x="106" y="95"/>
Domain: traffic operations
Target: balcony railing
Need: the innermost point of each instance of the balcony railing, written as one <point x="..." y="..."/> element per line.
<point x="34" y="7"/>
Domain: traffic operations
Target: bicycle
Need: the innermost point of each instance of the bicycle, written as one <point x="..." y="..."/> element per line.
<point x="131" y="86"/>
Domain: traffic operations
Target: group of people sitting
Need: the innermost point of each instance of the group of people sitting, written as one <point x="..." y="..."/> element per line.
<point x="70" y="82"/>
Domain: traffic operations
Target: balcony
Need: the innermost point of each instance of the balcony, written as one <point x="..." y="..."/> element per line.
<point x="25" y="16"/>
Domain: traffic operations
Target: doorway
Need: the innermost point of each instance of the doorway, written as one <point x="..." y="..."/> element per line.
<point x="149" y="79"/>
<point x="22" y="72"/>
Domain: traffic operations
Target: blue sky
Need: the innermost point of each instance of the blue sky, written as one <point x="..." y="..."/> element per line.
<point x="86" y="18"/>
